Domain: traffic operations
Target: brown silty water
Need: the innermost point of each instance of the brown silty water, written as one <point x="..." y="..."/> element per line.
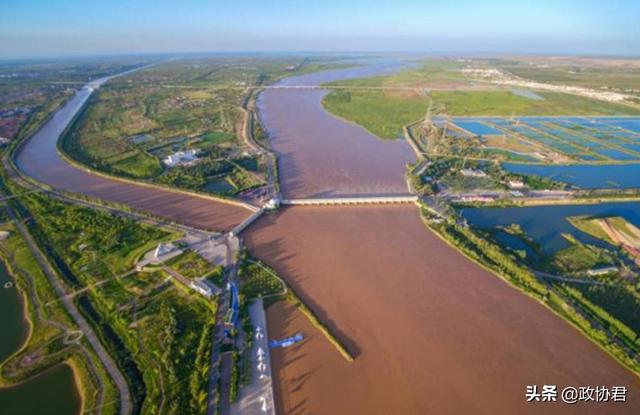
<point x="320" y="155"/>
<point x="39" y="158"/>
<point x="432" y="331"/>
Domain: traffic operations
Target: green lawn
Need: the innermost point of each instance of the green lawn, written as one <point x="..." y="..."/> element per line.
<point x="191" y="265"/>
<point x="140" y="166"/>
<point x="381" y="115"/>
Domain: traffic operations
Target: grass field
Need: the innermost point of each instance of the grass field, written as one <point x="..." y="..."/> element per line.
<point x="192" y="266"/>
<point x="383" y="112"/>
<point x="380" y="114"/>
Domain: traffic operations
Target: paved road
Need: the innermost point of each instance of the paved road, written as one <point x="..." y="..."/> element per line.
<point x="218" y="333"/>
<point x="545" y="275"/>
<point x="107" y="361"/>
<point x="226" y="367"/>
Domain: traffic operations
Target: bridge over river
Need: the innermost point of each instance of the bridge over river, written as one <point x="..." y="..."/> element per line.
<point x="360" y="200"/>
<point x="379" y="280"/>
<point x="328" y="201"/>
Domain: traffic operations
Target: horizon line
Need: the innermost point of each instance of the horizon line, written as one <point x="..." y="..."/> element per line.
<point x="442" y="53"/>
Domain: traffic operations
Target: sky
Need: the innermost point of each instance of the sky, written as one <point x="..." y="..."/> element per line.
<point x="33" y="28"/>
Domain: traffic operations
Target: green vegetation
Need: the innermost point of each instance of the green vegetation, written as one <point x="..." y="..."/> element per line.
<point x="48" y="324"/>
<point x="158" y="333"/>
<point x="132" y="123"/>
<point x="580" y="257"/>
<point x="31" y="90"/>
<point x="191" y="265"/>
<point x="141" y="165"/>
<point x="384" y="113"/>
<point x="384" y="104"/>
<point x="93" y="245"/>
<point x="607" y="312"/>
<point x="257" y="280"/>
<point x="235" y="378"/>
<point x="595" y="323"/>
<point x="381" y="114"/>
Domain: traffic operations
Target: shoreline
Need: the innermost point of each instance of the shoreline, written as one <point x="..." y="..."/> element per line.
<point x="26" y="319"/>
<point x="6" y="384"/>
<point x="520" y="289"/>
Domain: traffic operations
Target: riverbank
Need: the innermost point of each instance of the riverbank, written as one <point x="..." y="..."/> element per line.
<point x="19" y="372"/>
<point x="409" y="325"/>
<point x="543" y="201"/>
<point x="495" y="260"/>
<point x="419" y="317"/>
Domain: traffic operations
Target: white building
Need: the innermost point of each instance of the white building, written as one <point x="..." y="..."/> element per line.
<point x="180" y="157"/>
<point x="201" y="288"/>
<point x="273" y="203"/>
<point x="473" y="173"/>
<point x="516" y="184"/>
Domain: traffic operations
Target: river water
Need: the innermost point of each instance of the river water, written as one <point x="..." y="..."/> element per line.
<point x="432" y="332"/>
<point x="40" y="159"/>
<point x="546" y="224"/>
<point x="585" y="176"/>
<point x="320" y="155"/>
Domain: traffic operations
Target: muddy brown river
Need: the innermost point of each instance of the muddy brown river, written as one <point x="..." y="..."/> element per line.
<point x="39" y="159"/>
<point x="320" y="155"/>
<point x="433" y="332"/>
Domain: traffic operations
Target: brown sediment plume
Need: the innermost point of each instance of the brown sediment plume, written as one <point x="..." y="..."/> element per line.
<point x="435" y="333"/>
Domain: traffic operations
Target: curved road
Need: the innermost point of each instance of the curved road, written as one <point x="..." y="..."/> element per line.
<point x="110" y="366"/>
